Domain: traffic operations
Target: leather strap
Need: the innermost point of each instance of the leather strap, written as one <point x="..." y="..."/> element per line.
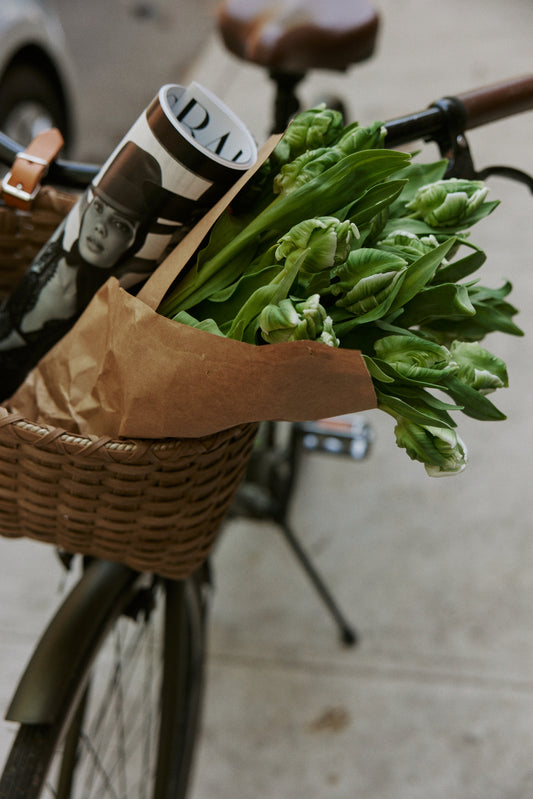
<point x="21" y="184"/>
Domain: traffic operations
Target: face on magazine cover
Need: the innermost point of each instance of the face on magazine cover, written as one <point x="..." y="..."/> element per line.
<point x="117" y="206"/>
<point x="105" y="234"/>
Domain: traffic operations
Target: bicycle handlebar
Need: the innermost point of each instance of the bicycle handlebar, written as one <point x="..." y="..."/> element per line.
<point x="497" y="101"/>
<point x="459" y="113"/>
<point x="464" y="111"/>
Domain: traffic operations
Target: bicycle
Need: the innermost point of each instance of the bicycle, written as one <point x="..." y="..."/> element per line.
<point x="108" y="592"/>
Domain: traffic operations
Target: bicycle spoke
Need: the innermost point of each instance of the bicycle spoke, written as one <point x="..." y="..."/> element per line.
<point x="117" y="745"/>
<point x="128" y="732"/>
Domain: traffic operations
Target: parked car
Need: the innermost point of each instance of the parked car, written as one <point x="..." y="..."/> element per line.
<point x="90" y="67"/>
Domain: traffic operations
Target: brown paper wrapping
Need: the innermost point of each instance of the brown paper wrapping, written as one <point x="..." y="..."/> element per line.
<point x="124" y="370"/>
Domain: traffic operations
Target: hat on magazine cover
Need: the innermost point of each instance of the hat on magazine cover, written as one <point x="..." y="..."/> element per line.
<point x="132" y="181"/>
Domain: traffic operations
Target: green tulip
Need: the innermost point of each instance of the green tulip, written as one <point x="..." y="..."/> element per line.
<point x="279" y="322"/>
<point x="282" y="264"/>
<point x="316" y="127"/>
<point x="328" y="335"/>
<point x="370" y="292"/>
<point x="409" y="245"/>
<point x="439" y="448"/>
<point x="324" y="242"/>
<point x="326" y="237"/>
<point x="313" y="162"/>
<point x="355" y="138"/>
<point x="289" y="321"/>
<point x="447" y="203"/>
<point x="479" y="368"/>
<point x="318" y="323"/>
<point x="216" y="267"/>
<point x="305" y="168"/>
<point x="313" y="313"/>
<point x="368" y="280"/>
<point x="415" y="358"/>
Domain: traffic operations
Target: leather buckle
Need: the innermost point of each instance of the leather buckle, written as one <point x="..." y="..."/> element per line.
<point x="18" y="191"/>
<point x="21" y="185"/>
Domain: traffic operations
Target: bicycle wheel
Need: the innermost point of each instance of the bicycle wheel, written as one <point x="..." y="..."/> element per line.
<point x="129" y="730"/>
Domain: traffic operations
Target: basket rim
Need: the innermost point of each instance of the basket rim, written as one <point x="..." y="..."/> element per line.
<point x="43" y="434"/>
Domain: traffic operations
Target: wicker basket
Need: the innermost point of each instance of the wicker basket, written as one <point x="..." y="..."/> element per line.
<point x="155" y="505"/>
<point x="22" y="234"/>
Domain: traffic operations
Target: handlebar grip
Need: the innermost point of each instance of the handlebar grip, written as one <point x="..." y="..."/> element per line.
<point x="497" y="101"/>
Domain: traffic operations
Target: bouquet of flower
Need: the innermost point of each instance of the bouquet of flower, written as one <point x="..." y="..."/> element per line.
<point x="340" y="240"/>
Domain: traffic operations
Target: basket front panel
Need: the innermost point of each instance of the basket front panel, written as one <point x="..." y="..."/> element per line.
<point x="155" y="507"/>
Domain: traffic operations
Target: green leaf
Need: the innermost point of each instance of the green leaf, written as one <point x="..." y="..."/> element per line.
<point x="417" y="175"/>
<point x="242" y="328"/>
<point x="340" y="184"/>
<point x="374" y="201"/>
<point x="420" y="272"/>
<point x="485" y="294"/>
<point x="458" y="270"/>
<point x="493" y="313"/>
<point x="416" y="411"/>
<point x="225" y="305"/>
<point x="491" y="318"/>
<point x="429" y="399"/>
<point x="416" y="226"/>
<point x="474" y="404"/>
<point x="225" y="229"/>
<point x="208" y="325"/>
<point x="347" y="180"/>
<point x="449" y="301"/>
<point x="375" y="370"/>
<point x="428" y="378"/>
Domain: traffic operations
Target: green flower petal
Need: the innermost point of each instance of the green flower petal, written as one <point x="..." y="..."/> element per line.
<point x="448" y="203"/>
<point x="478" y="367"/>
<point x="316" y="127"/>
<point x="439" y="448"/>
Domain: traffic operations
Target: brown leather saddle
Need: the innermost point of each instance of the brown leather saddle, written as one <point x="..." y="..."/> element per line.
<point x="290" y="38"/>
<point x="299" y="35"/>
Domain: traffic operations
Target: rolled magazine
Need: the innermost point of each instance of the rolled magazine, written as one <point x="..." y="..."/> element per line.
<point x="179" y="157"/>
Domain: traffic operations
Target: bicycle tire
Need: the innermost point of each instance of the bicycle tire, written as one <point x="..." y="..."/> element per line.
<point x="159" y="764"/>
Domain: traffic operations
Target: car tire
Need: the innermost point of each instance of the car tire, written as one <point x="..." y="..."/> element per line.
<point x="30" y="102"/>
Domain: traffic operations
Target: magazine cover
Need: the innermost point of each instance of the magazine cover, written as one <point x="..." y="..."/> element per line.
<point x="179" y="157"/>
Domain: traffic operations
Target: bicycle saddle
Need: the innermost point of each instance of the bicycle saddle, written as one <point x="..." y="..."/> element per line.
<point x="299" y="35"/>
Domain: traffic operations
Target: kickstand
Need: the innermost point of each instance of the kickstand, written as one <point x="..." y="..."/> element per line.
<point x="348" y="634"/>
<point x="266" y="493"/>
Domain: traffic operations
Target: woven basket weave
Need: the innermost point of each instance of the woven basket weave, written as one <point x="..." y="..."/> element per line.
<point x="155" y="505"/>
<point x="23" y="233"/>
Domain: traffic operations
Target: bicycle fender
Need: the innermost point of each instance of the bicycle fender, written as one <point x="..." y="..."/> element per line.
<point x="60" y="664"/>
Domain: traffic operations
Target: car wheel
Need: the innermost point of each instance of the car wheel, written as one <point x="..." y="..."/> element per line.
<point x="30" y="102"/>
